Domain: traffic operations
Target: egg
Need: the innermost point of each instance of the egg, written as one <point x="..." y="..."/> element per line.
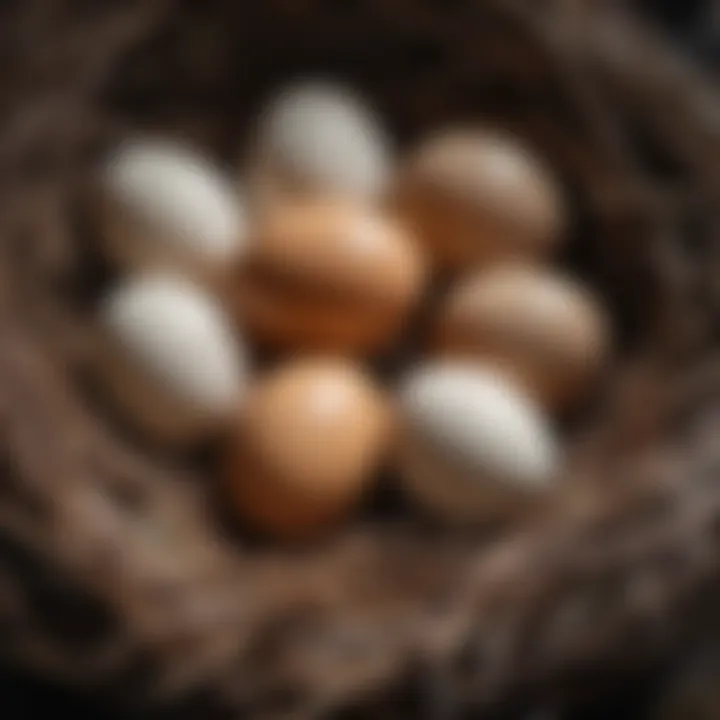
<point x="169" y="358"/>
<point x="328" y="275"/>
<point x="473" y="447"/>
<point x="165" y="205"/>
<point x="310" y="438"/>
<point x="476" y="196"/>
<point x="541" y="325"/>
<point x="318" y="136"/>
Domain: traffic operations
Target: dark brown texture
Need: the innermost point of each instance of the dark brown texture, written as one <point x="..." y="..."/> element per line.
<point x="114" y="574"/>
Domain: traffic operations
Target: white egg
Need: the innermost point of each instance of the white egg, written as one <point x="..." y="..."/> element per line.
<point x="473" y="446"/>
<point x="170" y="356"/>
<point x="319" y="136"/>
<point x="166" y="205"/>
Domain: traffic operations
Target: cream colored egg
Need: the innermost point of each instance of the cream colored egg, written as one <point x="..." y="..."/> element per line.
<point x="164" y="205"/>
<point x="542" y="326"/>
<point x="316" y="136"/>
<point x="473" y="447"/>
<point x="477" y="196"/>
<point x="328" y="275"/>
<point x="169" y="357"/>
<point x="309" y="440"/>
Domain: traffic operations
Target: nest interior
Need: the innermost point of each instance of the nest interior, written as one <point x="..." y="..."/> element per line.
<point x="115" y="573"/>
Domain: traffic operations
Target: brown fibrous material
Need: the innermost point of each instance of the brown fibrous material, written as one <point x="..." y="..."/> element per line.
<point x="115" y="574"/>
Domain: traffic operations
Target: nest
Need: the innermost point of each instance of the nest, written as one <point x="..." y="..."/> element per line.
<point x="116" y="576"/>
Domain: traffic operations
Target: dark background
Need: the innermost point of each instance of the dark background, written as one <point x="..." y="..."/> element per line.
<point x="694" y="25"/>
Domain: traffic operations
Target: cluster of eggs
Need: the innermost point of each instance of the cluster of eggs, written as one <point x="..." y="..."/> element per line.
<point x="324" y="254"/>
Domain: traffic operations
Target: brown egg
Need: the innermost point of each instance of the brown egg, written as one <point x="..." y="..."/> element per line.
<point x="311" y="437"/>
<point x="328" y="275"/>
<point x="544" y="328"/>
<point x="476" y="196"/>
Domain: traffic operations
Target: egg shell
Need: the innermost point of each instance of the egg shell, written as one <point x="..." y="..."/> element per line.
<point x="328" y="275"/>
<point x="164" y="205"/>
<point x="169" y="358"/>
<point x="310" y="438"/>
<point x="316" y="136"/>
<point x="541" y="325"/>
<point x="473" y="447"/>
<point x="478" y="196"/>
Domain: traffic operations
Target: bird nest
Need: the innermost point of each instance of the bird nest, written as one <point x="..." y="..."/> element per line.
<point x="116" y="573"/>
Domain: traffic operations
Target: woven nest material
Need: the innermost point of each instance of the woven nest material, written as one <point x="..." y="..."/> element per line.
<point x="116" y="575"/>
